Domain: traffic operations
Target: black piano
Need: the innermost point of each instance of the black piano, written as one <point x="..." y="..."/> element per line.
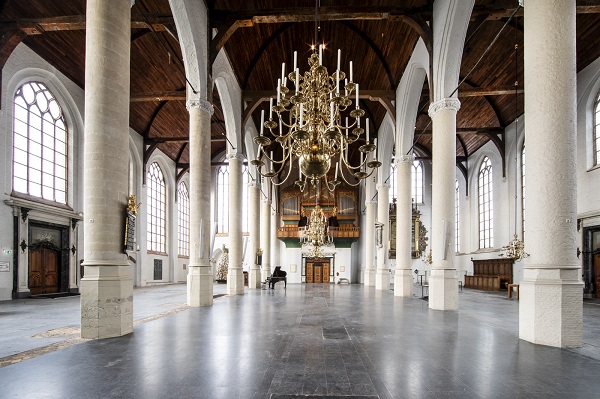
<point x="278" y="275"/>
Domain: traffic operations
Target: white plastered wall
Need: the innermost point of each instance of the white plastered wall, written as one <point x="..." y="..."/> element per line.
<point x="23" y="66"/>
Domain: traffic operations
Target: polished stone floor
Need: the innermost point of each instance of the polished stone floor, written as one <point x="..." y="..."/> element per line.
<point x="309" y="340"/>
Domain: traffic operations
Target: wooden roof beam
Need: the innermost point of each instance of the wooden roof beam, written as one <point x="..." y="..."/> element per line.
<point x="484" y="91"/>
<point x="160" y="140"/>
<point x="36" y="26"/>
<point x="158" y="97"/>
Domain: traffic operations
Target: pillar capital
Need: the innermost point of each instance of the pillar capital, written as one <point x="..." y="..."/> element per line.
<point x="204" y="105"/>
<point x="445" y="103"/>
<point x="266" y="201"/>
<point x="236" y="155"/>
<point x="371" y="202"/>
<point x="404" y="159"/>
<point x="383" y="185"/>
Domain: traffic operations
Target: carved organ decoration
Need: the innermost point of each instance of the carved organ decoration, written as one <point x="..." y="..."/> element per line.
<point x="418" y="231"/>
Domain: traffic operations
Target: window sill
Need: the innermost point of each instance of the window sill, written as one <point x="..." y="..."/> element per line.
<point x="157" y="253"/>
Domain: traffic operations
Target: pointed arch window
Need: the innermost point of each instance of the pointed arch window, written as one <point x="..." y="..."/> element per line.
<point x="40" y="144"/>
<point x="597" y="130"/>
<point x="457" y="218"/>
<point x="183" y="219"/>
<point x="223" y="199"/>
<point x="157" y="212"/>
<point x="417" y="182"/>
<point x="486" y="205"/>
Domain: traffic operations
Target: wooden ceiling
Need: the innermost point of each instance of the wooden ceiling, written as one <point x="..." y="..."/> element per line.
<point x="378" y="37"/>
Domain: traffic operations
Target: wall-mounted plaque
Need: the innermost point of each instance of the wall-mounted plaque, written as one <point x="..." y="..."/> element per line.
<point x="4" y="266"/>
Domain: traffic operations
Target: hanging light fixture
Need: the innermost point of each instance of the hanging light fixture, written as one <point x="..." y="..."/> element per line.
<point x="316" y="232"/>
<point x="308" y="126"/>
<point x="516" y="248"/>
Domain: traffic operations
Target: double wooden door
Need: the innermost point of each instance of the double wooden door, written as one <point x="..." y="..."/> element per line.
<point x="44" y="271"/>
<point x="317" y="270"/>
<point x="597" y="274"/>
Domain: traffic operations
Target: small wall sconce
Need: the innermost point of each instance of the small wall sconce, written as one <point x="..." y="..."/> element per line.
<point x="23" y="246"/>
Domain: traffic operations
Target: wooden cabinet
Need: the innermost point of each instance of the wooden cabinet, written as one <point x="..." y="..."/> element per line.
<point x="490" y="274"/>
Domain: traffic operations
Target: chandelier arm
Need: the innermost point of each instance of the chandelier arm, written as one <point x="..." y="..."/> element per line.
<point x="286" y="176"/>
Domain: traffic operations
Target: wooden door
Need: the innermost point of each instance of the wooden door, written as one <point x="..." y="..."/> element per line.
<point x="326" y="272"/>
<point x="597" y="274"/>
<point x="309" y="272"/>
<point x="318" y="273"/>
<point x="43" y="271"/>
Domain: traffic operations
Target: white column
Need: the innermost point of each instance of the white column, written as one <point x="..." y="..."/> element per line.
<point x="254" y="226"/>
<point x="107" y="289"/>
<point x="550" y="306"/>
<point x="443" y="282"/>
<point x="275" y="243"/>
<point x="382" y="277"/>
<point x="265" y="238"/>
<point x="235" y="273"/>
<point x="200" y="275"/>
<point x="403" y="273"/>
<point x="369" y="276"/>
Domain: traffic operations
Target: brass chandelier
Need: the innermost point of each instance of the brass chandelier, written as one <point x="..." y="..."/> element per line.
<point x="308" y="128"/>
<point x="317" y="231"/>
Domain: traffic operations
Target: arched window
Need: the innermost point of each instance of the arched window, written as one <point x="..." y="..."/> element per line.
<point x="392" y="182"/>
<point x="522" y="191"/>
<point x="223" y="199"/>
<point x="417" y="182"/>
<point x="40" y="144"/>
<point x="486" y="205"/>
<point x="183" y="218"/>
<point x="157" y="213"/>
<point x="597" y="130"/>
<point x="457" y="217"/>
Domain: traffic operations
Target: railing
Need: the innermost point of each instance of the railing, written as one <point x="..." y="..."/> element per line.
<point x="335" y="232"/>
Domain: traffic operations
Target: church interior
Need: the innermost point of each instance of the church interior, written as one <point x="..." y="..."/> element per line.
<point x="259" y="199"/>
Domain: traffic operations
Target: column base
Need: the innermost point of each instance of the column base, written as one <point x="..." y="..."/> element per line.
<point x="443" y="289"/>
<point x="551" y="307"/>
<point x="266" y="272"/>
<point x="369" y="278"/>
<point x="235" y="282"/>
<point x="254" y="279"/>
<point x="403" y="283"/>
<point x="106" y="301"/>
<point x="199" y="286"/>
<point x="382" y="280"/>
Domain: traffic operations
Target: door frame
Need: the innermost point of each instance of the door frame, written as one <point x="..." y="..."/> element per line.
<point x="331" y="259"/>
<point x="589" y="287"/>
<point x="63" y="250"/>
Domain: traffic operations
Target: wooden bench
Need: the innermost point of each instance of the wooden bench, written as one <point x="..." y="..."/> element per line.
<point x="510" y="290"/>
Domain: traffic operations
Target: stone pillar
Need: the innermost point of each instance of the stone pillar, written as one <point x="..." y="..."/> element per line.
<point x="107" y="289"/>
<point x="369" y="276"/>
<point x="265" y="238"/>
<point x="235" y="273"/>
<point x="550" y="306"/>
<point x="382" y="277"/>
<point x="403" y="273"/>
<point x="200" y="275"/>
<point x="275" y="247"/>
<point x="254" y="226"/>
<point x="443" y="283"/>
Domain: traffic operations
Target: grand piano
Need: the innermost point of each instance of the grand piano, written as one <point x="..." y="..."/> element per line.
<point x="278" y="275"/>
